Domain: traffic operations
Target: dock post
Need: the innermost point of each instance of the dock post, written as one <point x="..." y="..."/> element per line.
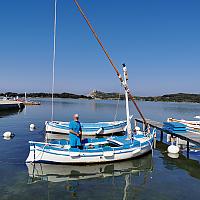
<point x="188" y="149"/>
<point x="161" y="136"/>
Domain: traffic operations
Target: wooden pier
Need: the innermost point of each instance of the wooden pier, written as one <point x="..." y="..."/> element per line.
<point x="189" y="137"/>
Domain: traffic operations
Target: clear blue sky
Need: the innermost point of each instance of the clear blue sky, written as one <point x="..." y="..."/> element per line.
<point x="158" y="40"/>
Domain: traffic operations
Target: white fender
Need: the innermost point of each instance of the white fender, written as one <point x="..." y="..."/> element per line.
<point x="173" y="149"/>
<point x="8" y="134"/>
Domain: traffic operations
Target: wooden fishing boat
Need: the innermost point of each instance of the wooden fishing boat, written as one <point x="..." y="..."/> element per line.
<point x="88" y="129"/>
<point x="98" y="150"/>
<point x="94" y="150"/>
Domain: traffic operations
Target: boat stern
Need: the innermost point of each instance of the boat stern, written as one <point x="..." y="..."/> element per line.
<point x="31" y="156"/>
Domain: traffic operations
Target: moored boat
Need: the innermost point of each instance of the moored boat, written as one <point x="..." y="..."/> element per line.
<point x="88" y="129"/>
<point x="94" y="150"/>
<point x="98" y="150"/>
<point x="11" y="105"/>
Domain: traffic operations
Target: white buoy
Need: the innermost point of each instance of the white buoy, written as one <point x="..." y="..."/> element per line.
<point x="32" y="127"/>
<point x="8" y="134"/>
<point x="173" y="149"/>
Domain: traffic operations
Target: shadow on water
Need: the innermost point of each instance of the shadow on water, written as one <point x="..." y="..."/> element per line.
<point x="192" y="167"/>
<point x="5" y="113"/>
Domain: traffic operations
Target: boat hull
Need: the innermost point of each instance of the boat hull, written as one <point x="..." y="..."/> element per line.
<point x="56" y="154"/>
<point x="88" y="129"/>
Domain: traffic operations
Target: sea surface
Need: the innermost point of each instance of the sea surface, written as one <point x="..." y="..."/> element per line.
<point x="153" y="176"/>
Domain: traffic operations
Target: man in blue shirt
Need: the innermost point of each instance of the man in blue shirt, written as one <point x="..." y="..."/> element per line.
<point x="75" y="132"/>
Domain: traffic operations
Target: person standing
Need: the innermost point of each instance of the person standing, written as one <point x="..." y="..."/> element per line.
<point x="75" y="132"/>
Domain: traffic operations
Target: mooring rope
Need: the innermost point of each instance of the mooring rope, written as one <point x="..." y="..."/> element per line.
<point x="53" y="63"/>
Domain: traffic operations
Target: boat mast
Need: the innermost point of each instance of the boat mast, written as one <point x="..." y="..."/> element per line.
<point x="127" y="103"/>
<point x="111" y="62"/>
<point x="25" y="97"/>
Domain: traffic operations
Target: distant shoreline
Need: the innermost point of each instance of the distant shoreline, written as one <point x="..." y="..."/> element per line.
<point x="98" y="95"/>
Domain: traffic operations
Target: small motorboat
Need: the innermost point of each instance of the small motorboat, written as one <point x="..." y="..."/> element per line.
<point x="88" y="129"/>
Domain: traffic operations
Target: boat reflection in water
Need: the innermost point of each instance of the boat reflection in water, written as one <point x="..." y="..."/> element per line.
<point x="103" y="180"/>
<point x="59" y="173"/>
<point x="5" y="113"/>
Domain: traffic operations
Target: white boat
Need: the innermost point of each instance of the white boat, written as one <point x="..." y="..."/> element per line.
<point x="6" y="104"/>
<point x="88" y="129"/>
<point x="97" y="150"/>
<point x="94" y="150"/>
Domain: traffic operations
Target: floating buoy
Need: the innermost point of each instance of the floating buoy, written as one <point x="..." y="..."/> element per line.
<point x="8" y="134"/>
<point x="173" y="149"/>
<point x="173" y="155"/>
<point x="32" y="127"/>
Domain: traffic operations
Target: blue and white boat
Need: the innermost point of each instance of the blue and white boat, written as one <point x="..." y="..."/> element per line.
<point x="98" y="150"/>
<point x="94" y="150"/>
<point x="88" y="129"/>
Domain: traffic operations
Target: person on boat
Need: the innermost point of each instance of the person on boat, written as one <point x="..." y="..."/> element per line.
<point x="75" y="132"/>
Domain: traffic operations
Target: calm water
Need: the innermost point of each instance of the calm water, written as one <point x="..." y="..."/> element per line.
<point x="157" y="177"/>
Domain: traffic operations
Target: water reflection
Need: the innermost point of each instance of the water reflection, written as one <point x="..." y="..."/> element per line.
<point x="58" y="173"/>
<point x="192" y="167"/>
<point x="5" y="113"/>
<point x="73" y="177"/>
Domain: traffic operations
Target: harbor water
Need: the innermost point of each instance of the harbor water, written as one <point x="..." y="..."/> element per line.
<point x="153" y="176"/>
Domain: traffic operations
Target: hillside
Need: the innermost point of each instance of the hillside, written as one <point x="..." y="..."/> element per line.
<point x="179" y="97"/>
<point x="46" y="95"/>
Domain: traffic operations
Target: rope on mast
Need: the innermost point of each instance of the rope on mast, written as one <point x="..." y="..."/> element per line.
<point x="53" y="61"/>
<point x="110" y="60"/>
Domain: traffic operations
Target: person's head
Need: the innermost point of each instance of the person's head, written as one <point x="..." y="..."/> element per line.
<point x="75" y="117"/>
